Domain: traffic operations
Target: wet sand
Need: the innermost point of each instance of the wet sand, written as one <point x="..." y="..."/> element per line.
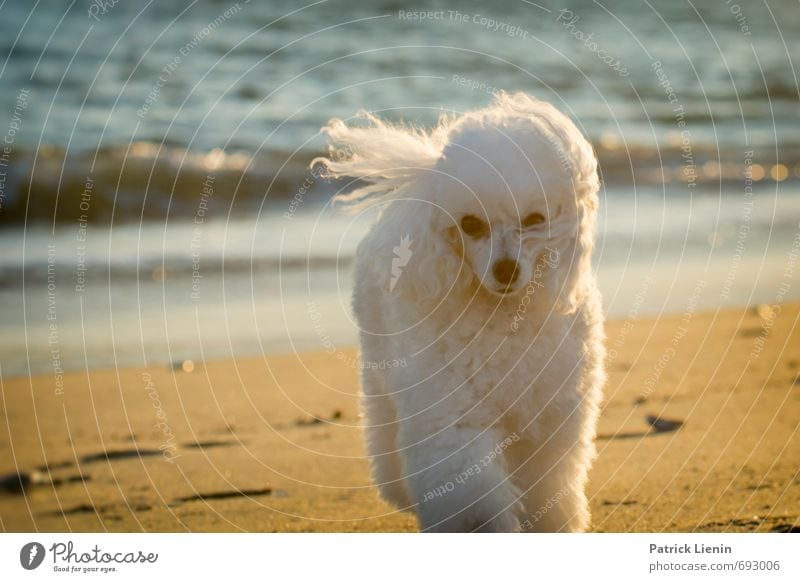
<point x="699" y="432"/>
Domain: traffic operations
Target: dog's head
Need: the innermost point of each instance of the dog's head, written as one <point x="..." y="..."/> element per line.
<point x="500" y="201"/>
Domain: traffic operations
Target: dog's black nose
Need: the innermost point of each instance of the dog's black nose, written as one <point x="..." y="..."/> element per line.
<point x="506" y="271"/>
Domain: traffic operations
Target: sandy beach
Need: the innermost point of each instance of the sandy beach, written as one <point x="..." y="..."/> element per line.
<point x="273" y="444"/>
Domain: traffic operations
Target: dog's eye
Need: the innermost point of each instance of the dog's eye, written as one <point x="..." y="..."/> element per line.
<point x="474" y="226"/>
<point x="533" y="219"/>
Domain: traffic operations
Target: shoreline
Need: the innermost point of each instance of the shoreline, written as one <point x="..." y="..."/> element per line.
<point x="698" y="433"/>
<point x="139" y="305"/>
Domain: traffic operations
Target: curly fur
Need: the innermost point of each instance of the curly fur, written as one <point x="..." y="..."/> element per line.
<point x="491" y="425"/>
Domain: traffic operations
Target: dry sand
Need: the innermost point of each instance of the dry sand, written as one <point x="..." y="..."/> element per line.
<point x="273" y="444"/>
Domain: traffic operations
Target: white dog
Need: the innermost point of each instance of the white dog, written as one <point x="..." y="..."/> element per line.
<point x="477" y="275"/>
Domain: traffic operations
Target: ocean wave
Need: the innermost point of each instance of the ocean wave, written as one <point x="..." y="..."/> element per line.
<point x="156" y="182"/>
<point x="153" y="269"/>
<point x="144" y="182"/>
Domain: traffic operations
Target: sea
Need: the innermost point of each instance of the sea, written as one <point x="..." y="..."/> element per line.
<point x="157" y="203"/>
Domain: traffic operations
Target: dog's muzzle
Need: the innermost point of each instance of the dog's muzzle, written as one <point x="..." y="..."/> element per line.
<point x="506" y="271"/>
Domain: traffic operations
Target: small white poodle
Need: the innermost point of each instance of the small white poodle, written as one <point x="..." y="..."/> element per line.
<point x="481" y="323"/>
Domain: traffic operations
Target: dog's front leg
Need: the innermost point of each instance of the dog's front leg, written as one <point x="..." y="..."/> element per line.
<point x="457" y="478"/>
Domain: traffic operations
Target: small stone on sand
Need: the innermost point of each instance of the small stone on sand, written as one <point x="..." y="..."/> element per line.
<point x="663" y="424"/>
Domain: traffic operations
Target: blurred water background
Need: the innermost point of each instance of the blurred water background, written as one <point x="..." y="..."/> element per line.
<point x="156" y="202"/>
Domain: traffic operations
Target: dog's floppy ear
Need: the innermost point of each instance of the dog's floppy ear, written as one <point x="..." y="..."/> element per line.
<point x="416" y="258"/>
<point x="575" y="257"/>
<point x="393" y="167"/>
